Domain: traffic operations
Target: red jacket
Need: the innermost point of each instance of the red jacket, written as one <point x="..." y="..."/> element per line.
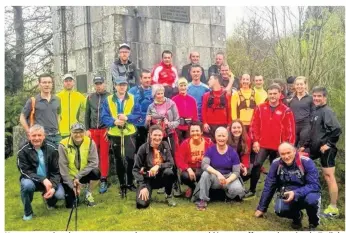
<point x="270" y="129"/>
<point x="183" y="155"/>
<point x="187" y="108"/>
<point x="245" y="158"/>
<point x="163" y="73"/>
<point x="215" y="115"/>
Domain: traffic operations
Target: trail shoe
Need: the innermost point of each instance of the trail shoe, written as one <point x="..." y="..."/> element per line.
<point x="176" y="190"/>
<point x="161" y="191"/>
<point x="170" y="201"/>
<point x="103" y="187"/>
<point x="312" y="227"/>
<point x="132" y="188"/>
<point x="188" y="193"/>
<point x="123" y="191"/>
<point x="297" y="223"/>
<point x="249" y="195"/>
<point x="330" y="212"/>
<point x="27" y="218"/>
<point x="89" y="199"/>
<point x="201" y="205"/>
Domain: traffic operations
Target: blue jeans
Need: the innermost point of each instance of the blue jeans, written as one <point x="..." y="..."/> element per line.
<point x="27" y="189"/>
<point x="54" y="139"/>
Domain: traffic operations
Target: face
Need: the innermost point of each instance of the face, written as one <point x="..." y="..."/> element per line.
<point x="124" y="54"/>
<point x="36" y="138"/>
<point x="196" y="73"/>
<point x="77" y="136"/>
<point x="195" y="132"/>
<point x="219" y="59"/>
<point x="46" y="84"/>
<point x="221" y="137"/>
<point x="156" y="137"/>
<point x="68" y="84"/>
<point x="245" y="81"/>
<point x="224" y="71"/>
<point x="291" y="87"/>
<point x="167" y="58"/>
<point x="194" y="57"/>
<point x="299" y="86"/>
<point x="287" y="154"/>
<point x="146" y="79"/>
<point x="160" y="94"/>
<point x="121" y="88"/>
<point x="211" y="81"/>
<point x="259" y="81"/>
<point x="182" y="88"/>
<point x="100" y="87"/>
<point x="236" y="129"/>
<point x="273" y="96"/>
<point x="319" y="99"/>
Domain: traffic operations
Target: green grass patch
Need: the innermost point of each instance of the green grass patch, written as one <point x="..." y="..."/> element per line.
<point x="114" y="214"/>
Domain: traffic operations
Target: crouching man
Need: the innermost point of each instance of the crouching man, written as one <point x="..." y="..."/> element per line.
<point x="39" y="171"/>
<point x="295" y="179"/>
<point x="153" y="168"/>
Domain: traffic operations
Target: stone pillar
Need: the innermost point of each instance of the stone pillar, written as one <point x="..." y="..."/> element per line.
<point x="19" y="136"/>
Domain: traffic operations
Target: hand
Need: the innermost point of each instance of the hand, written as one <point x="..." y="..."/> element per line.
<point x="192" y="175"/>
<point x="259" y="214"/>
<point x="122" y="117"/>
<point x="301" y="149"/>
<point x="289" y="195"/>
<point x="221" y="179"/>
<point x="324" y="148"/>
<point x="76" y="187"/>
<point x="27" y="134"/>
<point x="206" y="128"/>
<point x="256" y="147"/>
<point x="243" y="169"/>
<point x="49" y="194"/>
<point x="154" y="170"/>
<point x="148" y="119"/>
<point x="47" y="184"/>
<point x="88" y="133"/>
<point x="119" y="122"/>
<point x="144" y="194"/>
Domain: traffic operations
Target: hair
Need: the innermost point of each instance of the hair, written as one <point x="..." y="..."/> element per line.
<point x="286" y="144"/>
<point x="240" y="146"/>
<point x="196" y="123"/>
<point x="220" y="53"/>
<point x="166" y="52"/>
<point x="144" y="71"/>
<point x="323" y="90"/>
<point x="155" y="127"/>
<point x="291" y="79"/>
<point x="195" y="66"/>
<point x="280" y="82"/>
<point x="36" y="127"/>
<point x="193" y="52"/>
<point x="155" y="88"/>
<point x="45" y="75"/>
<point x="218" y="77"/>
<point x="274" y="86"/>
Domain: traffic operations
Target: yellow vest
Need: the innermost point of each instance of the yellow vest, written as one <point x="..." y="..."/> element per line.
<point x="71" y="152"/>
<point x="71" y="104"/>
<point x="128" y="106"/>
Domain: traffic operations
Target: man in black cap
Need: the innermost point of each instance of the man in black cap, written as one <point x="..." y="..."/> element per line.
<point x="96" y="129"/>
<point x="290" y="86"/>
<point x="124" y="67"/>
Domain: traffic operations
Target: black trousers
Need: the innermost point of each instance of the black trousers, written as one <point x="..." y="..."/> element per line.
<point x="182" y="135"/>
<point x="165" y="178"/>
<point x="185" y="179"/>
<point x="141" y="136"/>
<point x="303" y="129"/>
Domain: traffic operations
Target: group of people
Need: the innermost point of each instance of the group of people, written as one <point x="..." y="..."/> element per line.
<point x="207" y="131"/>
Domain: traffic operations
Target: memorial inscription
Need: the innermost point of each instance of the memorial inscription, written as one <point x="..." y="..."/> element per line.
<point x="175" y="13"/>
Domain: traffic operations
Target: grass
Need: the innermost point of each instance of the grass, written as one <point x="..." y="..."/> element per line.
<point x="114" y="214"/>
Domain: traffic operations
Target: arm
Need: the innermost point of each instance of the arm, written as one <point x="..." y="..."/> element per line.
<point x="195" y="110"/>
<point x="132" y="118"/>
<point x="234" y="105"/>
<point x="203" y="78"/>
<point x="255" y="125"/>
<point x="234" y="174"/>
<point x="289" y="127"/>
<point x="204" y="107"/>
<point x="333" y="128"/>
<point x="25" y="115"/>
<point x="63" y="166"/>
<point x="175" y="122"/>
<point x="138" y="165"/>
<point x="106" y="116"/>
<point x="180" y="156"/>
<point x="169" y="162"/>
<point x="114" y="71"/>
<point x="87" y="114"/>
<point x="83" y="100"/>
<point x="24" y="168"/>
<point x="155" y="73"/>
<point x="228" y="109"/>
<point x="93" y="162"/>
<point x="245" y="158"/>
<point x="54" y="176"/>
<point x="175" y="71"/>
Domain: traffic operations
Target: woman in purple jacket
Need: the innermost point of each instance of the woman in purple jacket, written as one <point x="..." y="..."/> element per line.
<point x="221" y="167"/>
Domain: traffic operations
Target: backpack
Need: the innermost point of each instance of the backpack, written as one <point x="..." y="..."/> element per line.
<point x="222" y="100"/>
<point x="242" y="102"/>
<point x="32" y="113"/>
<point x="299" y="164"/>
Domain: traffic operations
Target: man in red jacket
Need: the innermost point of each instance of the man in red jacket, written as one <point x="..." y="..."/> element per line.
<point x="272" y="124"/>
<point x="216" y="110"/>
<point x="190" y="156"/>
<point x="166" y="74"/>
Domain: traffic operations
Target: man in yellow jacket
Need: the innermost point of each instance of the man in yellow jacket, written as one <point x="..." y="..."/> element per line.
<point x="72" y="102"/>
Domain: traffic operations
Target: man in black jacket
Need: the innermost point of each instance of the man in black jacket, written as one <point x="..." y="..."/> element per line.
<point x="123" y="67"/>
<point x="216" y="68"/>
<point x="39" y="171"/>
<point x="96" y="129"/>
<point x="194" y="58"/>
<point x="325" y="133"/>
<point x="153" y="168"/>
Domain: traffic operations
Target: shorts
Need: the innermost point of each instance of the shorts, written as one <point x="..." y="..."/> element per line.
<point x="327" y="158"/>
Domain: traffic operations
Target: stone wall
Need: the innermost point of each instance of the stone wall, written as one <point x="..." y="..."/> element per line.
<point x="142" y="28"/>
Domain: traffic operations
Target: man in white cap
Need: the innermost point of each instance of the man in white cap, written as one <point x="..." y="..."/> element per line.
<point x="123" y="67"/>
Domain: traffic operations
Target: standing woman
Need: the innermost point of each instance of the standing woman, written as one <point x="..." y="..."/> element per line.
<point x="301" y="105"/>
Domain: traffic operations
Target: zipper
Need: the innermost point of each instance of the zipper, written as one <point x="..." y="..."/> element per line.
<point x="69" y="96"/>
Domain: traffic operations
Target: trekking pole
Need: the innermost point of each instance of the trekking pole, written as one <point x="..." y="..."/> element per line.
<point x="74" y="206"/>
<point x="122" y="153"/>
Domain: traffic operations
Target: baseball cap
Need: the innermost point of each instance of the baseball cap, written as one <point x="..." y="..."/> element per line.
<point x="98" y="79"/>
<point x="182" y="80"/>
<point x="77" y="126"/>
<point x="66" y="76"/>
<point x="124" y="45"/>
<point x="290" y="80"/>
<point x="120" y="80"/>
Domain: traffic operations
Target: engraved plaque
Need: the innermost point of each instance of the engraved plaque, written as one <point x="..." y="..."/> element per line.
<point x="175" y="13"/>
<point x="82" y="83"/>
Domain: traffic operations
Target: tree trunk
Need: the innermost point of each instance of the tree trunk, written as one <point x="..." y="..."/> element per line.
<point x="19" y="48"/>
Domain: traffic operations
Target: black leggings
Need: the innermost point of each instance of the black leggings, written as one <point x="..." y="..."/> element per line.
<point x="303" y="130"/>
<point x="185" y="179"/>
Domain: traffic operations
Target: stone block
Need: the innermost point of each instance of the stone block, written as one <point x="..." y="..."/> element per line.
<point x="19" y="138"/>
<point x="201" y="35"/>
<point x="56" y="24"/>
<point x="166" y="30"/>
<point x="130" y="30"/>
<point x="205" y="59"/>
<point x="70" y="41"/>
<point x="124" y="10"/>
<point x="182" y="34"/>
<point x="109" y="54"/>
<point x="98" y="58"/>
<point x="149" y="31"/>
<point x="218" y="15"/>
<point x="218" y="36"/>
<point x="57" y="48"/>
<point x="81" y="61"/>
<point x="96" y="34"/>
<point x="80" y="37"/>
<point x="71" y="63"/>
<point x="96" y="13"/>
<point x="79" y="16"/>
<point x="152" y="12"/>
<point x="119" y="29"/>
<point x="108" y="10"/>
<point x="200" y="14"/>
<point x="181" y="57"/>
<point x="150" y="54"/>
<point x="107" y="29"/>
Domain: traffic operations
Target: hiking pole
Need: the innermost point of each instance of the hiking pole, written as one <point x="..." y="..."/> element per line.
<point x="74" y="206"/>
<point x="122" y="153"/>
